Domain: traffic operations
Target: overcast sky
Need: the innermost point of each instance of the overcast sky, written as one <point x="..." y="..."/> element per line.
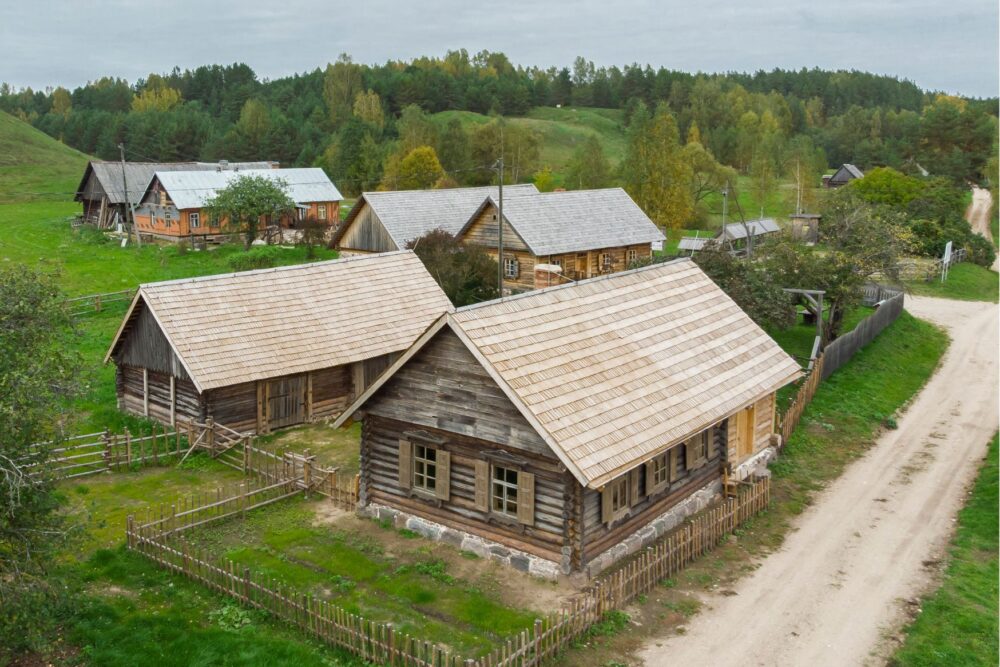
<point x="941" y="45"/>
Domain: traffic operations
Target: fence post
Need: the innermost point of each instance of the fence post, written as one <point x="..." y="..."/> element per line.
<point x="106" y="438"/>
<point x="128" y="448"/>
<point x="306" y="471"/>
<point x="97" y="303"/>
<point x="210" y="435"/>
<point x="246" y="455"/>
<point x="129" y="526"/>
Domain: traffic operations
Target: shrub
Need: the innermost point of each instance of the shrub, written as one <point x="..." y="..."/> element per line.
<point x="263" y="257"/>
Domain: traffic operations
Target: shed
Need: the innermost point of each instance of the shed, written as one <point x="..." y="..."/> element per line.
<point x="258" y="350"/>
<point x="560" y="422"/>
<point x="844" y="175"/>
<point x="384" y="221"/>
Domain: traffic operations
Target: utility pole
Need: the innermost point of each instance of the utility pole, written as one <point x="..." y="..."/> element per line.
<point x="498" y="165"/>
<point x="129" y="210"/>
<point x="725" y="211"/>
<point x="798" y="186"/>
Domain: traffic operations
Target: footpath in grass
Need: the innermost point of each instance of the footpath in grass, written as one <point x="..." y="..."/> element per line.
<point x="958" y="622"/>
<point x="966" y="282"/>
<point x="845" y="418"/>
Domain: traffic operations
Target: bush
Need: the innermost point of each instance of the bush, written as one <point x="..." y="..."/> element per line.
<point x="262" y="257"/>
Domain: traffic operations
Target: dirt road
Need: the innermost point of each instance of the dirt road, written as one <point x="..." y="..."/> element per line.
<point x="978" y="215"/>
<point x="838" y="589"/>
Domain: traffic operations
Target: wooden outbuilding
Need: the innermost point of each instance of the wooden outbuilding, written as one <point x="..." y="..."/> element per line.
<point x="171" y="207"/>
<point x="107" y="188"/>
<point x="560" y="429"/>
<point x="585" y="233"/>
<point x="260" y="350"/>
<point x="843" y="176"/>
<point x="386" y="221"/>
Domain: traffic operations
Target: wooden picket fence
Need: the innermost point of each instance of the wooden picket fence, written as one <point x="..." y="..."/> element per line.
<point x="803" y="397"/>
<point x="159" y="538"/>
<point x="94" y="453"/>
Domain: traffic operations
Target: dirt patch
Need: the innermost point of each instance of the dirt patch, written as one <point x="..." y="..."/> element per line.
<point x="332" y="447"/>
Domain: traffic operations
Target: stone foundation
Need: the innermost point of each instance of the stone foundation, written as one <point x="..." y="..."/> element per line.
<point x="756" y="465"/>
<point x="519" y="560"/>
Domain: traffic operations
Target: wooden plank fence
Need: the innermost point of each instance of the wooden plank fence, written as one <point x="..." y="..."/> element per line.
<point x="840" y="351"/>
<point x="159" y="538"/>
<point x="94" y="303"/>
<point x="803" y="397"/>
<point x="94" y="453"/>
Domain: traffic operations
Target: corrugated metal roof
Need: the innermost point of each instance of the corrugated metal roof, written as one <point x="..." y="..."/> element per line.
<point x="552" y="223"/>
<point x="409" y="214"/>
<point x="693" y="242"/>
<point x="253" y="325"/>
<point x="191" y="189"/>
<point x="737" y="230"/>
<point x="614" y="370"/>
<point x="857" y="173"/>
<point x="138" y="175"/>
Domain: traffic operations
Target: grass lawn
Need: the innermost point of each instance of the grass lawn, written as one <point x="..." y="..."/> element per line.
<point x="340" y="447"/>
<point x="427" y="589"/>
<point x="966" y="281"/>
<point x="958" y="624"/>
<point x="843" y="421"/>
<point x="34" y="166"/>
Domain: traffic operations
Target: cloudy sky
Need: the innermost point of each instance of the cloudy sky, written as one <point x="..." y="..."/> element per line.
<point x="950" y="46"/>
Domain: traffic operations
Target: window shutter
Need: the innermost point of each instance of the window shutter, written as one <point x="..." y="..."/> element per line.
<point x="674" y="454"/>
<point x="650" y="482"/>
<point x="517" y="268"/>
<point x="526" y="498"/>
<point x="712" y="448"/>
<point x="633" y="486"/>
<point x="405" y="464"/>
<point x="482" y="486"/>
<point x="606" y="515"/>
<point x="442" y="485"/>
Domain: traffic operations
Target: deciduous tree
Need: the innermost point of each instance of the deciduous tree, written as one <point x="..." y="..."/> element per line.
<point x="245" y="201"/>
<point x="655" y="172"/>
<point x="465" y="273"/>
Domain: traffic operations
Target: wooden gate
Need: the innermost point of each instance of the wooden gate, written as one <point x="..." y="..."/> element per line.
<point x="286" y="401"/>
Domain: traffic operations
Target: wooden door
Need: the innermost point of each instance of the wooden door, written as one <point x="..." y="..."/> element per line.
<point x="286" y="401"/>
<point x="745" y="421"/>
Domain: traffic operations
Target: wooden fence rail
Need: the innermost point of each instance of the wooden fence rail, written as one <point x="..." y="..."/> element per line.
<point x="94" y="453"/>
<point x="840" y="351"/>
<point x="93" y="303"/>
<point x="159" y="538"/>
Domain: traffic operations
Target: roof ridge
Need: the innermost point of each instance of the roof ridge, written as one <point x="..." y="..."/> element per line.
<point x="273" y="269"/>
<point x="586" y="281"/>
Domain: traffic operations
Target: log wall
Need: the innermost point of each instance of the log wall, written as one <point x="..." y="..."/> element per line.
<point x="366" y="233"/>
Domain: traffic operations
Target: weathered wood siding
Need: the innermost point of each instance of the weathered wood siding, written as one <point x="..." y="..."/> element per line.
<point x="332" y="389"/>
<point x="444" y="387"/>
<point x="598" y="536"/>
<point x="234" y="406"/>
<point x="144" y="345"/>
<point x="366" y="233"/>
<point x="483" y="232"/>
<point x="763" y="429"/>
<point x="129" y="384"/>
<point x="380" y="481"/>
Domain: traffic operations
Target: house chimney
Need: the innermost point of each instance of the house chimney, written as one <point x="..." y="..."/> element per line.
<point x="547" y="275"/>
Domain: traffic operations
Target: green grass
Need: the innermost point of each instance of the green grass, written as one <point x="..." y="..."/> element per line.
<point x="958" y="622"/>
<point x="561" y="131"/>
<point x="966" y="281"/>
<point x="35" y="166"/>
<point x="373" y="571"/>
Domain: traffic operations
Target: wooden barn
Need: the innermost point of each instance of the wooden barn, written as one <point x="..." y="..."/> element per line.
<point x="260" y="350"/>
<point x="102" y="190"/>
<point x="171" y="205"/>
<point x="578" y="234"/>
<point x="560" y="429"/>
<point x="843" y="176"/>
<point x="386" y="221"/>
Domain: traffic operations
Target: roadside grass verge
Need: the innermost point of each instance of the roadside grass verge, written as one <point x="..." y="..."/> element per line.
<point x="966" y="282"/>
<point x="958" y="624"/>
<point x="848" y="412"/>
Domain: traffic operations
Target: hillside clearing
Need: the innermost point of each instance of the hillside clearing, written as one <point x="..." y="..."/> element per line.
<point x="33" y="165"/>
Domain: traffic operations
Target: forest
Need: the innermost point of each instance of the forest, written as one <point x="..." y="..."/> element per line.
<point x="365" y="123"/>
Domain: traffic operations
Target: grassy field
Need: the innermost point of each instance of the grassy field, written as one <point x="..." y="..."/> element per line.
<point x="33" y="165"/>
<point x="848" y="412"/>
<point x="966" y="281"/>
<point x="958" y="622"/>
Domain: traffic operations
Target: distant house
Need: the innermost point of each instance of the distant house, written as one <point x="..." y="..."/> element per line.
<point x="104" y="185"/>
<point x="259" y="350"/>
<point x="172" y="203"/>
<point x="583" y="233"/>
<point x="843" y="176"/>
<point x="561" y="429"/>
<point x="805" y="226"/>
<point x="734" y="234"/>
<point x="386" y="221"/>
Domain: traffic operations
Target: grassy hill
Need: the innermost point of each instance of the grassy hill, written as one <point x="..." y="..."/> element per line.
<point x="33" y="165"/>
<point x="561" y="130"/>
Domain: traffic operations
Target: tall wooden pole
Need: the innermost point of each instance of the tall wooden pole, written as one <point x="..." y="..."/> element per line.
<point x="129" y="211"/>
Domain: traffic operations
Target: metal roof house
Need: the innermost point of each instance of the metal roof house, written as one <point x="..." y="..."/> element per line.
<point x="384" y="221"/>
<point x="258" y="350"/>
<point x="104" y="185"/>
<point x="583" y="233"/>
<point x="566" y="422"/>
<point x="735" y="233"/>
<point x="843" y="176"/>
<point x="172" y="201"/>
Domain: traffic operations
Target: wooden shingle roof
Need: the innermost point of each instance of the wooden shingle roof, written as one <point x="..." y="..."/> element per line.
<point x="614" y="370"/>
<point x="253" y="325"/>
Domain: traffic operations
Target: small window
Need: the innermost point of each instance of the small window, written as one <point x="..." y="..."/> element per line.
<point x="424" y="468"/>
<point x="660" y="473"/>
<point x="632" y="255"/>
<point x="321" y="212"/>
<point x="504" y="491"/>
<point x="619" y="495"/>
<point x="510" y="267"/>
<point x="194" y="219"/>
<point x="606" y="261"/>
<point x="557" y="262"/>
<point x="696" y="450"/>
<point x="213" y="222"/>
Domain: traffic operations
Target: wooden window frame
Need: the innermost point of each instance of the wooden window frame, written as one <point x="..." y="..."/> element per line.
<point x="606" y="262"/>
<point x="420" y="477"/>
<point x="194" y="220"/>
<point x="321" y="212"/>
<point x="696" y="449"/>
<point x="511" y="267"/>
<point x="506" y="486"/>
<point x="631" y="255"/>
<point x="658" y="473"/>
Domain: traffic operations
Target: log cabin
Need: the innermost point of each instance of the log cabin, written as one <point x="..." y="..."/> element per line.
<point x="260" y="350"/>
<point x="171" y="207"/>
<point x="580" y="234"/>
<point x="107" y="188"/>
<point x="386" y="221"/>
<point x="561" y="429"/>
